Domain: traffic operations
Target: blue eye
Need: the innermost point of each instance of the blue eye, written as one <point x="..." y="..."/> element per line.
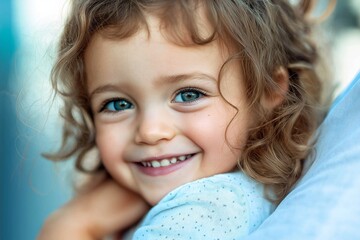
<point x="188" y="95"/>
<point x="117" y="105"/>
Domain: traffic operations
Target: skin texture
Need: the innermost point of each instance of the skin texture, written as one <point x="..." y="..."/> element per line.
<point x="151" y="76"/>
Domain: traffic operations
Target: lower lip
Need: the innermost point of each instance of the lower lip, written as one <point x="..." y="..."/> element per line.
<point x="159" y="171"/>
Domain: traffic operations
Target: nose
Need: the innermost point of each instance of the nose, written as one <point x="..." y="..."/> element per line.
<point x="153" y="127"/>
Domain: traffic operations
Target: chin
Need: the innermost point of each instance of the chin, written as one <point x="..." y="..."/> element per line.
<point x="152" y="200"/>
<point x="156" y="194"/>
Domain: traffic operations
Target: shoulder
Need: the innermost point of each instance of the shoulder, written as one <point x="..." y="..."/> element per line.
<point x="224" y="204"/>
<point x="329" y="190"/>
<point x="236" y="188"/>
<point x="216" y="191"/>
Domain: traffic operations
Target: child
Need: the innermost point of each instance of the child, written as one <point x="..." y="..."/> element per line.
<point x="175" y="96"/>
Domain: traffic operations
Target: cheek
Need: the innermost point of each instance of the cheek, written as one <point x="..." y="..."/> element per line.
<point x="237" y="131"/>
<point x="218" y="132"/>
<point x="110" y="144"/>
<point x="207" y="129"/>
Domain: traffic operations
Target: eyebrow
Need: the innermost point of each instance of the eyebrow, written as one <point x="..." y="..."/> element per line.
<point x="102" y="89"/>
<point x="159" y="82"/>
<point x="182" y="77"/>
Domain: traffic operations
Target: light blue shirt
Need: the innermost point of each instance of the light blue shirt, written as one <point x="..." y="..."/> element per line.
<point x="223" y="206"/>
<point x="326" y="202"/>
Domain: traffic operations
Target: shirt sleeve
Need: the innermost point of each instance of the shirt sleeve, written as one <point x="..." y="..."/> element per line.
<point x="205" y="209"/>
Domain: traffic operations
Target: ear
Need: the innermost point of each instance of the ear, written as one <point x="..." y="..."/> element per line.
<point x="274" y="98"/>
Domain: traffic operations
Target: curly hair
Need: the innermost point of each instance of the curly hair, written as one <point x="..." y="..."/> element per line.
<point x="263" y="35"/>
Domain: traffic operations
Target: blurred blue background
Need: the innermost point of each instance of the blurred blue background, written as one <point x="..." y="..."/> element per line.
<point x="32" y="187"/>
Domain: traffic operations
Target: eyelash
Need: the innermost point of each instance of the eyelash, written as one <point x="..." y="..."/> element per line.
<point x="190" y="89"/>
<point x="105" y="103"/>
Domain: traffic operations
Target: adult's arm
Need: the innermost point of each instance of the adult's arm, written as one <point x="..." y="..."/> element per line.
<point x="326" y="202"/>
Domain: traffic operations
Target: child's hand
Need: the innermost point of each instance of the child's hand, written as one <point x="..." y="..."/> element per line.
<point x="102" y="211"/>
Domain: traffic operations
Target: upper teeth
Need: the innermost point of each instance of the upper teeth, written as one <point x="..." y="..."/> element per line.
<point x="164" y="162"/>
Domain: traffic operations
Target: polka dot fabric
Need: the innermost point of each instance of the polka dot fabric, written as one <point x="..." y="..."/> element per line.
<point x="224" y="206"/>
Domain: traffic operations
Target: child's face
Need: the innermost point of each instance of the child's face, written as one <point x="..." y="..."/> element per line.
<point x="159" y="117"/>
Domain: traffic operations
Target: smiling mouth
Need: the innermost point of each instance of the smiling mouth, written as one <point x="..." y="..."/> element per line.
<point x="166" y="161"/>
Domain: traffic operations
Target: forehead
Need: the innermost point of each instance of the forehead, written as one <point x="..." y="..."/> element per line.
<point x="144" y="56"/>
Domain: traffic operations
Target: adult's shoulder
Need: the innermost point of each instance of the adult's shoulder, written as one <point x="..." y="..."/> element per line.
<point x="325" y="202"/>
